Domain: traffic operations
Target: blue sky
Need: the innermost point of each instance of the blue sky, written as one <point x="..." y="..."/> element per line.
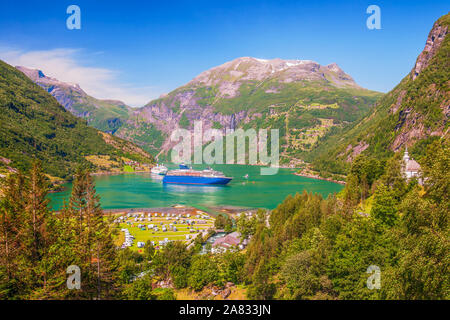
<point x="136" y="50"/>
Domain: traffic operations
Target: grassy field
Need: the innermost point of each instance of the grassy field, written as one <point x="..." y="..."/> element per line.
<point x="127" y="168"/>
<point x="237" y="293"/>
<point x="144" y="235"/>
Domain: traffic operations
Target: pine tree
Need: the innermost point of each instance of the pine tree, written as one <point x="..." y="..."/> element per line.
<point x="94" y="247"/>
<point x="100" y="241"/>
<point x="36" y="219"/>
<point x="13" y="273"/>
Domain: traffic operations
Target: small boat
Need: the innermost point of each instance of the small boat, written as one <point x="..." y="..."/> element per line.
<point x="189" y="176"/>
<point x="246" y="176"/>
<point x="159" y="169"/>
<point x="183" y="166"/>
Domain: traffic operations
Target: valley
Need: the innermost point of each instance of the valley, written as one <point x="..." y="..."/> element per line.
<point x="356" y="209"/>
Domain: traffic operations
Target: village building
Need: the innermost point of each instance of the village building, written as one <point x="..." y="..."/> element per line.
<point x="411" y="167"/>
<point x="232" y="240"/>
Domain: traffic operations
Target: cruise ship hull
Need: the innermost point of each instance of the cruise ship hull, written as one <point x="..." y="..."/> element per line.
<point x="196" y="180"/>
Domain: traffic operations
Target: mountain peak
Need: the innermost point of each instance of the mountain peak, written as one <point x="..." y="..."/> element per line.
<point x="33" y="74"/>
<point x="229" y="76"/>
<point x="334" y="67"/>
<point x="40" y="78"/>
<point x="434" y="41"/>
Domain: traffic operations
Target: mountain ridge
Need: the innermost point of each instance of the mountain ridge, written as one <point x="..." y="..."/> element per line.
<point x="33" y="125"/>
<point x="244" y="91"/>
<point x="106" y="115"/>
<point x="411" y="115"/>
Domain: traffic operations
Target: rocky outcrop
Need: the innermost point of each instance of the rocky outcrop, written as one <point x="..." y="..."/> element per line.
<point x="416" y="109"/>
<point x="357" y="150"/>
<point x="434" y="42"/>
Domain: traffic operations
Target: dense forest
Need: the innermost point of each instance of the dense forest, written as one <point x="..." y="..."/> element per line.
<point x="321" y="248"/>
<point x="306" y="248"/>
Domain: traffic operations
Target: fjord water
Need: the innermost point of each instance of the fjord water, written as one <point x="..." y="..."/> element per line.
<point x="144" y="190"/>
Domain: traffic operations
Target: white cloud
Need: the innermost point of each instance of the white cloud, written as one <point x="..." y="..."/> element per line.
<point x="66" y="65"/>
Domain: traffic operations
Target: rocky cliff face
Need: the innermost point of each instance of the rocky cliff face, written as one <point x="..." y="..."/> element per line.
<point x="413" y="121"/>
<point x="414" y="112"/>
<point x="433" y="44"/>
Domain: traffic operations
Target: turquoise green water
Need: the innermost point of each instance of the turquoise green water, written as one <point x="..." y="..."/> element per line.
<point x="143" y="190"/>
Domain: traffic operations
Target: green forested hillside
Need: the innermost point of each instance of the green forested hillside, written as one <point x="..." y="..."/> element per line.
<point x="105" y="115"/>
<point x="34" y="125"/>
<point x="413" y="114"/>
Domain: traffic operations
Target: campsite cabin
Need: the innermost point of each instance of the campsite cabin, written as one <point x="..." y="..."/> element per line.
<point x="140" y="244"/>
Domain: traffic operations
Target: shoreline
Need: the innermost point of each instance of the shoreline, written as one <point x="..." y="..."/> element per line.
<point x="180" y="207"/>
<point x="59" y="186"/>
<point x="113" y="173"/>
<point x="173" y="209"/>
<point x="313" y="176"/>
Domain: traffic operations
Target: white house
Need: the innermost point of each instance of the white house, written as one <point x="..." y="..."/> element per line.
<point x="411" y="168"/>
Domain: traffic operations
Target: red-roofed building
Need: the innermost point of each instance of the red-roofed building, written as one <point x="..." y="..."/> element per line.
<point x="223" y="244"/>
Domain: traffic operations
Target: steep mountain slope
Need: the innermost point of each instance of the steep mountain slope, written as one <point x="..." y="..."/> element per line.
<point x="414" y="113"/>
<point x="105" y="115"/>
<point x="34" y="125"/>
<point x="301" y="98"/>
